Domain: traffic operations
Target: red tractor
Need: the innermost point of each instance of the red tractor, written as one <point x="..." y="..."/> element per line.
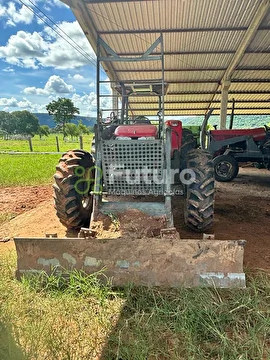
<point x="233" y="146"/>
<point x="136" y="156"/>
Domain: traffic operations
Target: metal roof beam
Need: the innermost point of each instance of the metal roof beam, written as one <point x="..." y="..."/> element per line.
<point x="203" y="102"/>
<point x="249" y="35"/>
<point x="196" y="109"/>
<point x="177" y="30"/>
<point x="111" y="1"/>
<point x="183" y="81"/>
<point x="113" y="56"/>
<point x="203" y="52"/>
<point x="251" y="81"/>
<point x="231" y="92"/>
<point x="235" y="81"/>
<point x="170" y="70"/>
<point x="246" y="68"/>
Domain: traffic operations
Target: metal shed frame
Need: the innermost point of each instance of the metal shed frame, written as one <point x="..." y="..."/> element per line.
<point x="216" y="52"/>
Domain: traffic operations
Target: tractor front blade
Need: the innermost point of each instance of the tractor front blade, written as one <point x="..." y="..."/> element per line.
<point x="165" y="262"/>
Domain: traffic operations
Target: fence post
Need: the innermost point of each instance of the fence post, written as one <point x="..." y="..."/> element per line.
<point x="30" y="143"/>
<point x="57" y="144"/>
<point x="81" y="142"/>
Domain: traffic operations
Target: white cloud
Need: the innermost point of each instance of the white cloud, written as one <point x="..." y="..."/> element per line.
<point x="8" y="69"/>
<point x="24" y="49"/>
<point x="14" y="15"/>
<point x="52" y="3"/>
<point x="11" y="102"/>
<point x="54" y="85"/>
<point x="14" y="103"/>
<point x="61" y="54"/>
<point x="87" y="103"/>
<point x="48" y="49"/>
<point x="34" y="91"/>
<point x="25" y="104"/>
<point x="14" y="12"/>
<point x="78" y="77"/>
<point x="46" y="5"/>
<point x="57" y="85"/>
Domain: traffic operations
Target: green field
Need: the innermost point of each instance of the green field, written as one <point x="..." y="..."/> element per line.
<point x="47" y="144"/>
<point x="27" y="169"/>
<point x="32" y="169"/>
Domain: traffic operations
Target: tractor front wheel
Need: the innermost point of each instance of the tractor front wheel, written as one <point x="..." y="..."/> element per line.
<point x="199" y="190"/>
<point x="73" y="183"/>
<point x="226" y="168"/>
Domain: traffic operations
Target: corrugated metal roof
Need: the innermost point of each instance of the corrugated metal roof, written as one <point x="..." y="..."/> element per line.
<point x="201" y="41"/>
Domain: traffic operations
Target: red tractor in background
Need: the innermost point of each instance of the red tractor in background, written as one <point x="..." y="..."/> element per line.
<point x="233" y="146"/>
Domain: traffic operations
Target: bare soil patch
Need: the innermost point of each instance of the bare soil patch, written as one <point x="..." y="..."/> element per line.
<point x="242" y="211"/>
<point x="16" y="200"/>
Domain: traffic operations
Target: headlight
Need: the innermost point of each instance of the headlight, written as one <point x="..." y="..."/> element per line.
<point x="123" y="138"/>
<point x="146" y="138"/>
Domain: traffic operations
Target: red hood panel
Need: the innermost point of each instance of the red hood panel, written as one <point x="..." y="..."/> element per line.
<point x="139" y="130"/>
<point x="257" y="133"/>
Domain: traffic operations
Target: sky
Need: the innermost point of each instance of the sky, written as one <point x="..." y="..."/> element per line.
<point x="36" y="64"/>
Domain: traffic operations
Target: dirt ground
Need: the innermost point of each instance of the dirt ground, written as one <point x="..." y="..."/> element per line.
<point x="242" y="211"/>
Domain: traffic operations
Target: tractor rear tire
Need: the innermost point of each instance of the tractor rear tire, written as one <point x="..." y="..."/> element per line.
<point x="199" y="194"/>
<point x="73" y="183"/>
<point x="188" y="143"/>
<point x="226" y="168"/>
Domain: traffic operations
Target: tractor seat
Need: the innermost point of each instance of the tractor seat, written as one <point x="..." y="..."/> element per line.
<point x="141" y="120"/>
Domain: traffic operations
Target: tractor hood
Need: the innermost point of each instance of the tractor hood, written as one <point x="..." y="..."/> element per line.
<point x="136" y="131"/>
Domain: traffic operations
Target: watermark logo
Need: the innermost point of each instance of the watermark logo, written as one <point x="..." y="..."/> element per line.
<point x="133" y="178"/>
<point x="85" y="180"/>
<point x="149" y="176"/>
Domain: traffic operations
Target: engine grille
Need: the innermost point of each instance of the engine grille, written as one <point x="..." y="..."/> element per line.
<point x="133" y="167"/>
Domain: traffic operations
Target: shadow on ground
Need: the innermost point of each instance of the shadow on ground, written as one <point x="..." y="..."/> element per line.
<point x="9" y="350"/>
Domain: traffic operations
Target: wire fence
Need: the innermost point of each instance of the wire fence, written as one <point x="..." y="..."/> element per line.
<point x="50" y="145"/>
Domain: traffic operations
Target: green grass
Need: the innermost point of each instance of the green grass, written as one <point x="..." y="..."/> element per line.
<point x="27" y="169"/>
<point x="32" y="169"/>
<point x="80" y="318"/>
<point x="45" y="144"/>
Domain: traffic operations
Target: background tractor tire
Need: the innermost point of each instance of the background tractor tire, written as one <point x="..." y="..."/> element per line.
<point x="188" y="143"/>
<point x="73" y="183"/>
<point x="199" y="194"/>
<point x="226" y="168"/>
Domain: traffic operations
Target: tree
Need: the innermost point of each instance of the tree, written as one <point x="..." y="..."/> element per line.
<point x="8" y="122"/>
<point x="27" y="123"/>
<point x="83" y="129"/>
<point x="63" y="111"/>
<point x="43" y="130"/>
<point x="72" y="130"/>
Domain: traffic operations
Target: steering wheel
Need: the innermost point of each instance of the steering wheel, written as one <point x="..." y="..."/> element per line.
<point x="203" y="132"/>
<point x="112" y="116"/>
<point x="141" y="119"/>
<point x="267" y="128"/>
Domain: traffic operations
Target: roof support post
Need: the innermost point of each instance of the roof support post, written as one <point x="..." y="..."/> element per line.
<point x="115" y="100"/>
<point x="224" y="103"/>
